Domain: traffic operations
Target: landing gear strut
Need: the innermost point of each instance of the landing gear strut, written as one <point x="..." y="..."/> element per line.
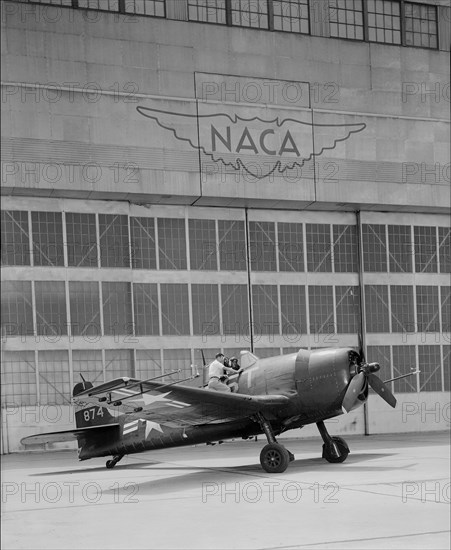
<point x="112" y="463"/>
<point x="335" y="449"/>
<point x="274" y="458"/>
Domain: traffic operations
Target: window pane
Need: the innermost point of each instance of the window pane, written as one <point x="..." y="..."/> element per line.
<point x="345" y="249"/>
<point x="202" y="245"/>
<point x="291" y="249"/>
<point x="113" y="230"/>
<point x="425" y="250"/>
<point x="445" y="297"/>
<point x="142" y="232"/>
<point x="17" y="313"/>
<point x="444" y="240"/>
<point x="118" y="363"/>
<point x="175" y="309"/>
<point x="265" y="309"/>
<point x="381" y="355"/>
<point x="18" y="372"/>
<point x="383" y="17"/>
<point x="250" y="13"/>
<point x="400" y="248"/>
<point x="148" y="363"/>
<point x="377" y="308"/>
<point x="172" y="243"/>
<point x="145" y="299"/>
<point x="427" y="309"/>
<point x="155" y="8"/>
<point x="318" y="248"/>
<point x="429" y="364"/>
<point x="292" y="306"/>
<point x="404" y="362"/>
<point x="117" y="308"/>
<point x="422" y="22"/>
<point x="232" y="245"/>
<point x="350" y="16"/>
<point x="291" y="15"/>
<point x="235" y="309"/>
<point x="403" y="317"/>
<point x="348" y="310"/>
<point x="51" y="320"/>
<point x="374" y="248"/>
<point x="81" y="240"/>
<point x="47" y="238"/>
<point x="54" y="379"/>
<point x="89" y="364"/>
<point x="210" y="11"/>
<point x="321" y="308"/>
<point x="262" y="246"/>
<point x="174" y="360"/>
<point x="15" y="238"/>
<point x="85" y="308"/>
<point x="205" y="301"/>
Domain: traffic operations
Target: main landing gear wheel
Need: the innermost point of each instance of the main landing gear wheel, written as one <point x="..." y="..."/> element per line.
<point x="274" y="458"/>
<point x="112" y="463"/>
<point x="336" y="453"/>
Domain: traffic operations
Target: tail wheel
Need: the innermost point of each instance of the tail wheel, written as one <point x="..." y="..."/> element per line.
<point x="274" y="458"/>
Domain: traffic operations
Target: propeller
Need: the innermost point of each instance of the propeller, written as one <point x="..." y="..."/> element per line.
<point x="365" y="375"/>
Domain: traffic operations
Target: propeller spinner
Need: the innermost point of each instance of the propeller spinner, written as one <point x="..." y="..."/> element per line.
<point x="364" y="374"/>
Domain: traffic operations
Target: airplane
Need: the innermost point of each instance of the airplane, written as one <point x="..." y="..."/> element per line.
<point x="275" y="394"/>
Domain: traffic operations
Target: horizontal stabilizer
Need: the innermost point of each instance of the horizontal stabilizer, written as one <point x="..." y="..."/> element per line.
<point x="67" y="435"/>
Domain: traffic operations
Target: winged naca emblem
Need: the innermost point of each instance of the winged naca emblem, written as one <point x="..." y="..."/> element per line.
<point x="261" y="144"/>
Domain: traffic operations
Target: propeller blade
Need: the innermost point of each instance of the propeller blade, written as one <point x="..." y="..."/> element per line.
<point x="380" y="388"/>
<point x="355" y="388"/>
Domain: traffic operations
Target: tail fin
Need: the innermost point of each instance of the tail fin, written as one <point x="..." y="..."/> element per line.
<point x="86" y="414"/>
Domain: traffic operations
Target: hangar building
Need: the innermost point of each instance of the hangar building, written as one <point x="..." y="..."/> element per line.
<point x="180" y="175"/>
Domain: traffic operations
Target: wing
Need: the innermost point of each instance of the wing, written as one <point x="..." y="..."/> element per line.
<point x="68" y="435"/>
<point x="177" y="405"/>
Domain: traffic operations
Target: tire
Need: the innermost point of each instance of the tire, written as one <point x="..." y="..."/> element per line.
<point x="274" y="458"/>
<point x="342" y="448"/>
<point x="110" y="464"/>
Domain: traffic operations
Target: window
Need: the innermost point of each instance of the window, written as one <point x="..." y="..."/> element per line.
<point x="345" y="249"/>
<point x="444" y="239"/>
<point x="318" y="248"/>
<point x="18" y="372"/>
<point x="54" y="378"/>
<point x="142" y="231"/>
<point x="107" y="5"/>
<point x="175" y="309"/>
<point x="429" y="364"/>
<point x="377" y="308"/>
<point x="145" y="299"/>
<point x="321" y="308"/>
<point x="262" y="246"/>
<point x="404" y="362"/>
<point x="425" y="250"/>
<point x="381" y="355"/>
<point x="148" y="363"/>
<point x="209" y="11"/>
<point x="85" y="308"/>
<point x="403" y="315"/>
<point x="374" y="248"/>
<point x="291" y="248"/>
<point x="117" y="308"/>
<point x="202" y="245"/>
<point x="232" y="245"/>
<point x="291" y="15"/>
<point x="445" y="293"/>
<point x="420" y="25"/>
<point x="427" y="309"/>
<point x="292" y="306"/>
<point x="348" y="311"/>
<point x="174" y="360"/>
<point x="400" y="248"/>
<point x="51" y="318"/>
<point x="47" y="238"/>
<point x="17" y="315"/>
<point x="205" y="302"/>
<point x="384" y="21"/>
<point x="447" y="367"/>
<point x="250" y="13"/>
<point x="156" y="8"/>
<point x="118" y="362"/>
<point x="15" y="238"/>
<point x="113" y="230"/>
<point x="266" y="309"/>
<point x="346" y="19"/>
<point x="172" y="243"/>
<point x="87" y="363"/>
<point x="81" y="240"/>
<point x="235" y="309"/>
